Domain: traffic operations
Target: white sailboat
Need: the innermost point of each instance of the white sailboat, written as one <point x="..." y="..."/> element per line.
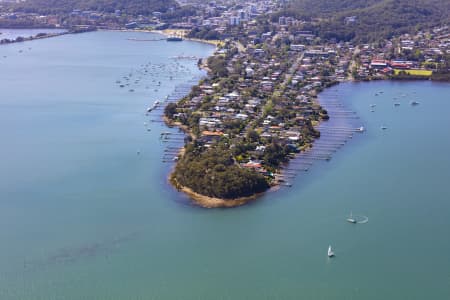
<point x="351" y="219"/>
<point x="330" y="252"/>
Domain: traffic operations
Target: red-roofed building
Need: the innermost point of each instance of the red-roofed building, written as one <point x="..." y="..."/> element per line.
<point x="212" y="133"/>
<point x="378" y="64"/>
<point x="252" y="165"/>
<point x="400" y="66"/>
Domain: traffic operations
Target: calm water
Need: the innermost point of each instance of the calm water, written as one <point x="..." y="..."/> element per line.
<point x="82" y="216"/>
<point x="14" y="33"/>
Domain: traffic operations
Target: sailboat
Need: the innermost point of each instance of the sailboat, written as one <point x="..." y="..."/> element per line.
<point x="330" y="252"/>
<point x="351" y="219"/>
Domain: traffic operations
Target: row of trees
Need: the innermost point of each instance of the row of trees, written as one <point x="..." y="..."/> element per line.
<point x="218" y="66"/>
<point x="204" y="33"/>
<point x="443" y="70"/>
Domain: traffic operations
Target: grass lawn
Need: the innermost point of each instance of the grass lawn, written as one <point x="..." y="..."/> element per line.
<point x="415" y="72"/>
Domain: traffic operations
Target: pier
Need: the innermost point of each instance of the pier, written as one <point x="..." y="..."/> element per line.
<point x="334" y="134"/>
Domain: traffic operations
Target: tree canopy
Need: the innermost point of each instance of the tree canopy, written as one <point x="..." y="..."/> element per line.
<point x="374" y="19"/>
<point x="213" y="173"/>
<point x="131" y="7"/>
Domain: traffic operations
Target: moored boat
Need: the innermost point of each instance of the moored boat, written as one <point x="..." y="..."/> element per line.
<point x="330" y="252"/>
<point x="350" y="219"/>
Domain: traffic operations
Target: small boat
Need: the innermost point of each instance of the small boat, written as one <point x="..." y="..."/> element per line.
<point x="373" y="105"/>
<point x="383" y="127"/>
<point x="360" y="129"/>
<point x="330" y="252"/>
<point x="396" y="104"/>
<point x="414" y="103"/>
<point x="350" y="219"/>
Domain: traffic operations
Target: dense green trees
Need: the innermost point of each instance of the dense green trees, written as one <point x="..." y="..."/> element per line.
<point x="204" y="33"/>
<point x="375" y="19"/>
<point x="213" y="173"/>
<point x="130" y="7"/>
<point x="218" y="66"/>
<point x="274" y="155"/>
<point x="170" y="110"/>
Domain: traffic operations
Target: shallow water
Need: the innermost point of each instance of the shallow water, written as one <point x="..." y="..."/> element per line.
<point x="83" y="216"/>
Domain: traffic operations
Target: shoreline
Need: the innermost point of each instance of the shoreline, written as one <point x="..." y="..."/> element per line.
<point x="167" y="33"/>
<point x="203" y="200"/>
<point x="31" y="38"/>
<point x="196" y="198"/>
<point x="212" y="202"/>
<point x="182" y="33"/>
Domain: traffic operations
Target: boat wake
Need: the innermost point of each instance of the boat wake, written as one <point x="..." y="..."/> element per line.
<point x="361" y="219"/>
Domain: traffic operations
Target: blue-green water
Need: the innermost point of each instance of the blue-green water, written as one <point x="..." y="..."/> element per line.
<point x="83" y="216"/>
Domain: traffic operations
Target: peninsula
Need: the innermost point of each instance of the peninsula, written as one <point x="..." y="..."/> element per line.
<point x="246" y="119"/>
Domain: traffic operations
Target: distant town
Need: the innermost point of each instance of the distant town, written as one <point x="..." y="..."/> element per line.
<point x="415" y="55"/>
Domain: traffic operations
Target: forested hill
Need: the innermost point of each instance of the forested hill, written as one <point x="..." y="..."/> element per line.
<point x="375" y="19"/>
<point x="131" y="7"/>
<point x="320" y="8"/>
